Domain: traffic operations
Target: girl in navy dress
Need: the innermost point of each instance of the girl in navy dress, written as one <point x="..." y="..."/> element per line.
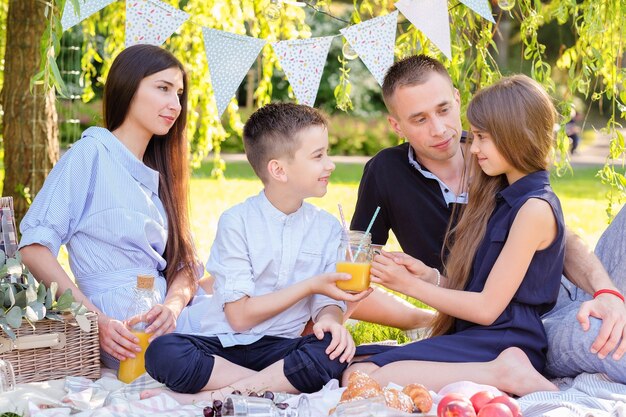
<point x="118" y="200"/>
<point x="505" y="257"/>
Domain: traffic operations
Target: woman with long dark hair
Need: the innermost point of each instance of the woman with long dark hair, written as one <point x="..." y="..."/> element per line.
<point x="118" y="199"/>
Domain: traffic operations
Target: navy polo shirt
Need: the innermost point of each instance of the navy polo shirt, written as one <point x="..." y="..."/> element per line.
<point x="412" y="205"/>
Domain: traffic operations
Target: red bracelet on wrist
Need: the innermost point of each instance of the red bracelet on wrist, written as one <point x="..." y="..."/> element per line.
<point x="607" y="291"/>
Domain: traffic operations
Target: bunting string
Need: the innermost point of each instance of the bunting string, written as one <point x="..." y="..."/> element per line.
<point x="230" y="55"/>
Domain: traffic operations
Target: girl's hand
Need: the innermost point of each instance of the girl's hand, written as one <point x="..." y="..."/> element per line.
<point x="395" y="276"/>
<point x="341" y="343"/>
<point x="414" y="266"/>
<point x="116" y="339"/>
<point x="161" y="318"/>
<point x="326" y="284"/>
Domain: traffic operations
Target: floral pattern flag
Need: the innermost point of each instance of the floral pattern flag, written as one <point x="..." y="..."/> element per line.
<point x="481" y="7"/>
<point x="230" y="56"/>
<point x="87" y="8"/>
<point x="374" y="41"/>
<point x="303" y="62"/>
<point x="151" y="21"/>
<point x="431" y="18"/>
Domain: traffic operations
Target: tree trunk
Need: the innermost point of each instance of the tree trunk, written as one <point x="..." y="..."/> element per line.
<point x="31" y="144"/>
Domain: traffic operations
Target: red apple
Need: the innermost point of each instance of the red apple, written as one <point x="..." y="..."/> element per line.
<point x="459" y="408"/>
<point x="447" y="398"/>
<point x="495" y="410"/>
<point x="509" y="402"/>
<point x="481" y="398"/>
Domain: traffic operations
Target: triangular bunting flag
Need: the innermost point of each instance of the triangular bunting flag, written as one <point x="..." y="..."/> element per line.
<point x="303" y="63"/>
<point x="87" y="8"/>
<point x="230" y="56"/>
<point x="374" y="41"/>
<point x="151" y="21"/>
<point x="481" y="7"/>
<point x="431" y="18"/>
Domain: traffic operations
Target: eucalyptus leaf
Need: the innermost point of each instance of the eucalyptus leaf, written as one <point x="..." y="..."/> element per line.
<point x="14" y="317"/>
<point x="54" y="287"/>
<point x="54" y="316"/>
<point x="48" y="300"/>
<point x="14" y="267"/>
<point x="42" y="292"/>
<point x="20" y="299"/>
<point x="65" y="300"/>
<point x="35" y="311"/>
<point x="31" y="295"/>
<point x="3" y="257"/>
<point x="11" y="293"/>
<point x="30" y="279"/>
<point x="4" y="326"/>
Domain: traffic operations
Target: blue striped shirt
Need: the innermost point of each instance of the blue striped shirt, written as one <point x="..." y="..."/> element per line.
<point x="103" y="204"/>
<point x="259" y="250"/>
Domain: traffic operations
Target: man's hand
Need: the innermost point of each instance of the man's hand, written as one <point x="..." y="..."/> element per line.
<point x="612" y="311"/>
<point x="116" y="339"/>
<point x="341" y="344"/>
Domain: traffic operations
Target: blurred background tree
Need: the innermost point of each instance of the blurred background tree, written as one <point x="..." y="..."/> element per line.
<point x="574" y="48"/>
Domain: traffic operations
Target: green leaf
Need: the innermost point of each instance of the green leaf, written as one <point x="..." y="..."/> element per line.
<point x="35" y="311"/>
<point x="65" y="300"/>
<point x="48" y="300"/>
<point x="54" y="287"/>
<point x="3" y="257"/>
<point x="14" y="317"/>
<point x="14" y="267"/>
<point x="4" y="326"/>
<point x="54" y="316"/>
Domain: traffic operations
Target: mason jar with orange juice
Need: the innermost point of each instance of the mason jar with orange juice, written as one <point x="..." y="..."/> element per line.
<point x="355" y="258"/>
<point x="144" y="300"/>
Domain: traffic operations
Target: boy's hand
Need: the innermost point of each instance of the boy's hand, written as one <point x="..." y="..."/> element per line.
<point x="341" y="343"/>
<point x="325" y="284"/>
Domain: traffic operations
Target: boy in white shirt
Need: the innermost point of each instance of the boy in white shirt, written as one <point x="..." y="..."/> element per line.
<point x="273" y="260"/>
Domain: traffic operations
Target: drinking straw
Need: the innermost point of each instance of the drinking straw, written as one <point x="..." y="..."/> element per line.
<point x="369" y="227"/>
<point x="345" y="230"/>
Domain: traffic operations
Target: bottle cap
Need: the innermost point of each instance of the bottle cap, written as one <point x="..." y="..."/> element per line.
<point x="145" y="282"/>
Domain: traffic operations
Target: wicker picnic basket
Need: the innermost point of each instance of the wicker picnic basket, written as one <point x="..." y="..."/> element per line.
<point x="52" y="350"/>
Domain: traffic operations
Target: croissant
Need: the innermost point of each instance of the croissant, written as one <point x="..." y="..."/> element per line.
<point x="420" y="396"/>
<point x="398" y="400"/>
<point x="360" y="386"/>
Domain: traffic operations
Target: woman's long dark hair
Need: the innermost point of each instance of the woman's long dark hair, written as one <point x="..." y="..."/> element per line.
<point x="167" y="154"/>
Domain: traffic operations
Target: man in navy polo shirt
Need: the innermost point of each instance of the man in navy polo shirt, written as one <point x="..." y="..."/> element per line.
<point x="416" y="184"/>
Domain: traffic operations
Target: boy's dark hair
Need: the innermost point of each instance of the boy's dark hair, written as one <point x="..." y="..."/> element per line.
<point x="413" y="70"/>
<point x="272" y="132"/>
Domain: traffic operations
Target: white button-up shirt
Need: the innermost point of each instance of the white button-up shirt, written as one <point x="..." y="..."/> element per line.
<point x="259" y="250"/>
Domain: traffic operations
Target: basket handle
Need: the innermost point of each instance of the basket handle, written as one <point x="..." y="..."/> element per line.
<point x="36" y="341"/>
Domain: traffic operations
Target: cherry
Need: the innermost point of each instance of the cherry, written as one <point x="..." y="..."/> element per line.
<point x="208" y="411"/>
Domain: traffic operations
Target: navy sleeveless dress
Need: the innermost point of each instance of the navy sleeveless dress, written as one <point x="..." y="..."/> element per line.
<point x="520" y="324"/>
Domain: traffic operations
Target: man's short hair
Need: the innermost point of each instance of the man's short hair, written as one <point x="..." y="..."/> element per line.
<point x="272" y="132"/>
<point x="413" y="70"/>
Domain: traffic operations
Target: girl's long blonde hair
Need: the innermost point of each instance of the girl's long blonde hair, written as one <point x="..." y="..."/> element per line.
<point x="519" y="115"/>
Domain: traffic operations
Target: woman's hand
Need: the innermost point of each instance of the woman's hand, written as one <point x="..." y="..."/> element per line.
<point x="397" y="275"/>
<point x="116" y="339"/>
<point x="161" y="319"/>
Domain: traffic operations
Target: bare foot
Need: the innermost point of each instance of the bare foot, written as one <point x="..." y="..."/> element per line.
<point x="517" y="375"/>
<point x="202" y="396"/>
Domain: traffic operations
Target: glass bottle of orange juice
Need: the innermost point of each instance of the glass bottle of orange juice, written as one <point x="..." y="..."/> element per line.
<point x="144" y="299"/>
<point x="355" y="258"/>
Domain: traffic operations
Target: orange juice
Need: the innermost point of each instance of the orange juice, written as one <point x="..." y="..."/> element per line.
<point x="360" y="272"/>
<point x="132" y="368"/>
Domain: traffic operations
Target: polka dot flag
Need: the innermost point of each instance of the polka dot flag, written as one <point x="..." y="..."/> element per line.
<point x="431" y="18"/>
<point x="230" y="56"/>
<point x="87" y="8"/>
<point x="481" y="7"/>
<point x="151" y="21"/>
<point x="374" y="41"/>
<point x="303" y="62"/>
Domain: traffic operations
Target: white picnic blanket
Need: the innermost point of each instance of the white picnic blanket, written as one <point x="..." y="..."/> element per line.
<point x="588" y="395"/>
